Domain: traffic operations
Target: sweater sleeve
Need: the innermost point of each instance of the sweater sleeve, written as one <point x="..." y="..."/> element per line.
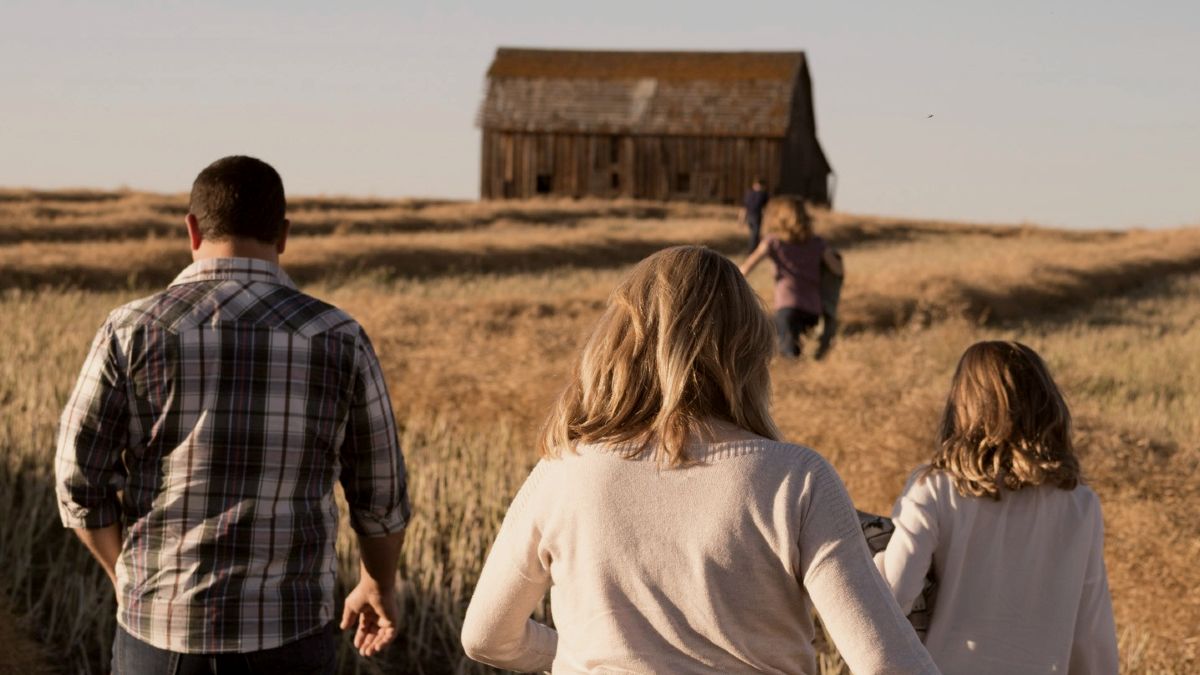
<point x="855" y="605"/>
<point x="909" y="553"/>
<point x="1094" y="648"/>
<point x="498" y="629"/>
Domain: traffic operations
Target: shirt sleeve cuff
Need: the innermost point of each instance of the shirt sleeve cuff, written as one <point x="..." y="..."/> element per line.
<point x="76" y="516"/>
<point x="368" y="523"/>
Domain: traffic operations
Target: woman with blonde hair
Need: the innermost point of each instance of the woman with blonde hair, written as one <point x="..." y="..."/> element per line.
<point x="1015" y="540"/>
<point x="674" y="531"/>
<point x="798" y="255"/>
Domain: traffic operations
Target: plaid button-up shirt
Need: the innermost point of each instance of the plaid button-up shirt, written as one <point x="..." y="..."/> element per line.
<point x="213" y="419"/>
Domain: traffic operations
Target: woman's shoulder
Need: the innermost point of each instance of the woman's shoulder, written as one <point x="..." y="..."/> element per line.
<point x="786" y="458"/>
<point x="782" y="456"/>
<point x="540" y="475"/>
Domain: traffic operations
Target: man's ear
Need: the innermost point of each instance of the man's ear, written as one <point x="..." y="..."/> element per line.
<point x="193" y="228"/>
<point x="283" y="234"/>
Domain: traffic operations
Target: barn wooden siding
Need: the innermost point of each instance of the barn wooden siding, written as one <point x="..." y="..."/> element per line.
<point x="695" y="126"/>
<point x="529" y="164"/>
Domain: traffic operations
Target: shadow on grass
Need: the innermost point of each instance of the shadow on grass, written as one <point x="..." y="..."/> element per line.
<point x="851" y="233"/>
<point x="315" y="218"/>
<point x="400" y="262"/>
<point x="1065" y="295"/>
<point x="70" y="196"/>
<point x="1053" y="291"/>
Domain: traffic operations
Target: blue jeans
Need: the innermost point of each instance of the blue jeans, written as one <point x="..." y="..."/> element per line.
<point x="312" y="655"/>
<point x="791" y="324"/>
<point x="755" y="225"/>
<point x="831" y="293"/>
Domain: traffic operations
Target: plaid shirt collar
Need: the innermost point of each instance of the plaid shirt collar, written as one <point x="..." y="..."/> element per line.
<point x="233" y="269"/>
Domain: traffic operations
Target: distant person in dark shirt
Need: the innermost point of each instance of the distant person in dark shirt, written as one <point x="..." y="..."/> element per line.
<point x="752" y="210"/>
<point x="799" y="256"/>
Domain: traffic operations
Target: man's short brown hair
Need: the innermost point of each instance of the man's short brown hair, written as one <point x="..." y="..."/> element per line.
<point x="239" y="197"/>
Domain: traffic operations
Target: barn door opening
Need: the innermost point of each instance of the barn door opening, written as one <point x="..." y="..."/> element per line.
<point x="683" y="183"/>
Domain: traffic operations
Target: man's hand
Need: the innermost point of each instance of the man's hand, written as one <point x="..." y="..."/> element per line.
<point x="372" y="603"/>
<point x="377" y="613"/>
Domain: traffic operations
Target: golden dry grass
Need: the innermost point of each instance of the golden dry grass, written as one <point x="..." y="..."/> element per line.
<point x="476" y="310"/>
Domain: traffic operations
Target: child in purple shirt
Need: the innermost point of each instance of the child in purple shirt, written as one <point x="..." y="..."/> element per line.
<point x="798" y="255"/>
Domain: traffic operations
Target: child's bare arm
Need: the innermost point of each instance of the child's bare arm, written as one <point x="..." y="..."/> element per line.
<point x="755" y="258"/>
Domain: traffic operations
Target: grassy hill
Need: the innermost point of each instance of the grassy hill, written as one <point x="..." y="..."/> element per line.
<point x="476" y="310"/>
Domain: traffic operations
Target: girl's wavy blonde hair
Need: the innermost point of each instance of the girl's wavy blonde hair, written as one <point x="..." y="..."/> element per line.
<point x="1006" y="425"/>
<point x="684" y="339"/>
<point x="787" y="217"/>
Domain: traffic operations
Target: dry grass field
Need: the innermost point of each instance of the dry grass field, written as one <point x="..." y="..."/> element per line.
<point x="476" y="310"/>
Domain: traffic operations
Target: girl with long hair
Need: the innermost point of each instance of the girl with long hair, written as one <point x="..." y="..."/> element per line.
<point x="1015" y="540"/>
<point x="798" y="255"/>
<point x="673" y="529"/>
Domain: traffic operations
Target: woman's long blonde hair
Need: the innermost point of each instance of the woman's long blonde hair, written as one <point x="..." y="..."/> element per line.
<point x="787" y="217"/>
<point x="1006" y="425"/>
<point x="684" y="339"/>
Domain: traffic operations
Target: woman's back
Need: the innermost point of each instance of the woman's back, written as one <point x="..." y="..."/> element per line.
<point x="703" y="550"/>
<point x="699" y="569"/>
<point x="1021" y="581"/>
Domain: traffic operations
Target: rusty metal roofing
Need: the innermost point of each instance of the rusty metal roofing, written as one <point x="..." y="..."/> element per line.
<point x="674" y="93"/>
<point x="623" y="65"/>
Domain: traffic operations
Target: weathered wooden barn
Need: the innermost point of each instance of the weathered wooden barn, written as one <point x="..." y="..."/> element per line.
<point x="693" y="126"/>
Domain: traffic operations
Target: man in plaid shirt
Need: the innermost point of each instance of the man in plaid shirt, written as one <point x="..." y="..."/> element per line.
<point x="198" y="453"/>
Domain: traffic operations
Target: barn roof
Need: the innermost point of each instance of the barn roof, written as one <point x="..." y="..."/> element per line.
<point x="674" y="93"/>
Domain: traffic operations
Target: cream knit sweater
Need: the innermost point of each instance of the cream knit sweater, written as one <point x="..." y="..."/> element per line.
<point x="712" y="568"/>
<point x="1022" y="586"/>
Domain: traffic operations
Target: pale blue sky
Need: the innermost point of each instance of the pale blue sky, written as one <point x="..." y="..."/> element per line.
<point x="1064" y="113"/>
